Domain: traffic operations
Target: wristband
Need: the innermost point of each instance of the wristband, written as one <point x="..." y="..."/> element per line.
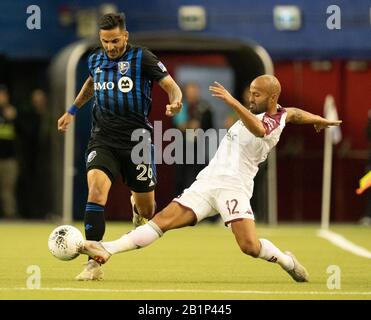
<point x="73" y="110"/>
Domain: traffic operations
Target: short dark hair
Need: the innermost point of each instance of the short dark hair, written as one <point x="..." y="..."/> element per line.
<point x="112" y="20"/>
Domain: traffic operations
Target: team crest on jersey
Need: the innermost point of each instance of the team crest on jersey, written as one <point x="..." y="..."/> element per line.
<point x="91" y="156"/>
<point x="124" y="67"/>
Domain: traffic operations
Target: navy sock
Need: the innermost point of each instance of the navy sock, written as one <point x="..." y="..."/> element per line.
<point x="95" y="224"/>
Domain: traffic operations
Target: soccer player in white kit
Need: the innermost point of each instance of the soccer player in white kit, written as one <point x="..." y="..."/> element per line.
<point x="225" y="186"/>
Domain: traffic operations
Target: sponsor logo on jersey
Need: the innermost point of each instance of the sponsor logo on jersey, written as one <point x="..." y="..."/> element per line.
<point x="231" y="136"/>
<point x="125" y="84"/>
<point x="92" y="155"/>
<point x="98" y="70"/>
<point x="161" y="66"/>
<point x="151" y="183"/>
<point x="124" y="67"/>
<point x="104" y="85"/>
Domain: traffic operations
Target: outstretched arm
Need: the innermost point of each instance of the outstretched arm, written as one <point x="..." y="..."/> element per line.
<point x="298" y="116"/>
<point x="85" y="94"/>
<point x="174" y="93"/>
<point x="251" y="122"/>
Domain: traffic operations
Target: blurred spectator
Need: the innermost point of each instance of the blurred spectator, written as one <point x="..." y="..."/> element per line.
<point x="8" y="161"/>
<point x="33" y="188"/>
<point x="196" y="114"/>
<point x="366" y="219"/>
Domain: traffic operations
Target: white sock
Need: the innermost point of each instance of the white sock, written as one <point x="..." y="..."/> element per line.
<point x="135" y="239"/>
<point x="271" y="253"/>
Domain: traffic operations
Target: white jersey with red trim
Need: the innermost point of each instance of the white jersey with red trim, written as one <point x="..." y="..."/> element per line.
<point x="236" y="161"/>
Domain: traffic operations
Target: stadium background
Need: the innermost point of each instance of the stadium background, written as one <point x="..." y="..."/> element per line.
<point x="310" y="63"/>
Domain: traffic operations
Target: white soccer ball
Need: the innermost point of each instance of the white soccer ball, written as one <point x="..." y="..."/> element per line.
<point x="64" y="242"/>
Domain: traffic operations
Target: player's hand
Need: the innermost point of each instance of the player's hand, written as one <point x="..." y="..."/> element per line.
<point x="222" y="93"/>
<point x="64" y="121"/>
<point x="173" y="109"/>
<point x="326" y="124"/>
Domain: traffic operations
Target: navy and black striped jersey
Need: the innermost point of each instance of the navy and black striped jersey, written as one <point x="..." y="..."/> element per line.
<point x="122" y="94"/>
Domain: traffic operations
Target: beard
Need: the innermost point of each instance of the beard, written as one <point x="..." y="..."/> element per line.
<point x="258" y="108"/>
<point x="116" y="53"/>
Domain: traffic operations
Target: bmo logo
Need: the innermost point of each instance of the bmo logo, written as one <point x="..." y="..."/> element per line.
<point x="125" y="84"/>
<point x="103" y="86"/>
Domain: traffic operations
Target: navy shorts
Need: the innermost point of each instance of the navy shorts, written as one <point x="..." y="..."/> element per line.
<point x="112" y="161"/>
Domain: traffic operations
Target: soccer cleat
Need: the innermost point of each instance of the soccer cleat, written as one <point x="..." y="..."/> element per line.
<point x="96" y="251"/>
<point x="138" y="220"/>
<point x="299" y="273"/>
<point x="92" y="271"/>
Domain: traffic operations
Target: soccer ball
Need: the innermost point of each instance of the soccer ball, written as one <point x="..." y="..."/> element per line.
<point x="64" y="242"/>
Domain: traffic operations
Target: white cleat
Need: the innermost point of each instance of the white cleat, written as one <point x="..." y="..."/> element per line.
<point x="96" y="251"/>
<point x="299" y="273"/>
<point x="92" y="271"/>
<point x="138" y="220"/>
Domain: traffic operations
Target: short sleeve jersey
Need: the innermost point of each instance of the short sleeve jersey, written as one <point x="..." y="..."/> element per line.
<point x="122" y="94"/>
<point x="236" y="161"/>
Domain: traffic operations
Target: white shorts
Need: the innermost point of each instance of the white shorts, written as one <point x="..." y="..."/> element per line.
<point x="206" y="200"/>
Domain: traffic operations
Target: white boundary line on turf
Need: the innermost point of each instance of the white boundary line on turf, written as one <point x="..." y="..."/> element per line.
<point x="343" y="243"/>
<point x="330" y="292"/>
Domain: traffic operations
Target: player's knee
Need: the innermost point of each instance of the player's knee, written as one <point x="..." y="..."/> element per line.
<point x="250" y="248"/>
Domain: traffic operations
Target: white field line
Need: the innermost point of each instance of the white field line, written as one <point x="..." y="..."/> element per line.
<point x="343" y="243"/>
<point x="329" y="292"/>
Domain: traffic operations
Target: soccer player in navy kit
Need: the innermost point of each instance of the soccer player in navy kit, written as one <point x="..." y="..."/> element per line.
<point x="120" y="79"/>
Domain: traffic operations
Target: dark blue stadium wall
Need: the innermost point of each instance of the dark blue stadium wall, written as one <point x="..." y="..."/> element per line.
<point x="245" y="19"/>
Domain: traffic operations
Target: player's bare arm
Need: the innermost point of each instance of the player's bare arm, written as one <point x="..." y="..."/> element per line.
<point x="175" y="95"/>
<point x="85" y="94"/>
<point x="298" y="116"/>
<point x="251" y="122"/>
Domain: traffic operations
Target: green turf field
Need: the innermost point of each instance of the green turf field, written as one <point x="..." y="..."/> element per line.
<point x="201" y="262"/>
